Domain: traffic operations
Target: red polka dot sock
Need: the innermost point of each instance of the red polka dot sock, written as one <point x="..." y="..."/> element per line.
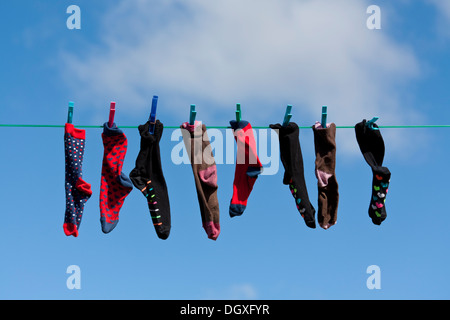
<point x="248" y="166"/>
<point x="115" y="185"/>
<point x="77" y="190"/>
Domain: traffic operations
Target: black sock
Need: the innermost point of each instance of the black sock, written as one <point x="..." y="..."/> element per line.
<point x="292" y="160"/>
<point x="148" y="177"/>
<point x="371" y="144"/>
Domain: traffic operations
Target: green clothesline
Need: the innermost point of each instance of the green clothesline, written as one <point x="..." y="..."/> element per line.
<point x="214" y="127"/>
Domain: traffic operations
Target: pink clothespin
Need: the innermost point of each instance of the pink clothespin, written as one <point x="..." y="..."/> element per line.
<point x="112" y="111"/>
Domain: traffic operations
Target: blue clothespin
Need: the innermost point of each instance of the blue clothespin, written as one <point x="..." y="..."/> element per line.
<point x="152" y="118"/>
<point x="287" y="115"/>
<point x="238" y="112"/>
<point x="70" y="113"/>
<point x="324" y="117"/>
<point x="370" y="123"/>
<point x="192" y="115"/>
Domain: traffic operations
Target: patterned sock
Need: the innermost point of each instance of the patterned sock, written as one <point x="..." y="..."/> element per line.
<point x="205" y="175"/>
<point x="372" y="147"/>
<point x="115" y="185"/>
<point x="328" y="194"/>
<point x="248" y="166"/>
<point x="148" y="177"/>
<point x="77" y="190"/>
<point x="292" y="160"/>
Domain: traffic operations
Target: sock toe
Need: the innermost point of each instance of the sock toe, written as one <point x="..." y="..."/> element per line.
<point x="70" y="229"/>
<point x="237" y="209"/>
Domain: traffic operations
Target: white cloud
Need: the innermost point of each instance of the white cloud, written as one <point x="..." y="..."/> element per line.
<point x="443" y="22"/>
<point x="264" y="54"/>
<point x="242" y="291"/>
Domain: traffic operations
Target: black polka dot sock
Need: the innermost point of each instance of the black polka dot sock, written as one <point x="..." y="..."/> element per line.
<point x="148" y="177"/>
<point x="77" y="190"/>
<point x="372" y="147"/>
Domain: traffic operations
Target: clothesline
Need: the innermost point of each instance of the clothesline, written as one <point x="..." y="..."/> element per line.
<point x="216" y="127"/>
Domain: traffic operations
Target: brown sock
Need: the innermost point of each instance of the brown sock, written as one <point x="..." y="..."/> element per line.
<point x="205" y="174"/>
<point x="328" y="198"/>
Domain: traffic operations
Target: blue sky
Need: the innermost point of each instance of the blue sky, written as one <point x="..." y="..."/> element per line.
<point x="264" y="55"/>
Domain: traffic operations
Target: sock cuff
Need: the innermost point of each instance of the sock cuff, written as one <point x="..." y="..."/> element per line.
<point x="288" y="129"/>
<point x="157" y="133"/>
<point x="238" y="124"/>
<point x="191" y="127"/>
<point x="111" y="131"/>
<point x="75" y="132"/>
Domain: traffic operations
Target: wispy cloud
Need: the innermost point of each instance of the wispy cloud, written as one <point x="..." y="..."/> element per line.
<point x="443" y="21"/>
<point x="263" y="54"/>
<point x="242" y="291"/>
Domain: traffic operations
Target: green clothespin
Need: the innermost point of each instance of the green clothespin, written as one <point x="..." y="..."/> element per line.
<point x="324" y="117"/>
<point x="192" y="115"/>
<point x="70" y="113"/>
<point x="370" y="123"/>
<point x="238" y="112"/>
<point x="287" y="115"/>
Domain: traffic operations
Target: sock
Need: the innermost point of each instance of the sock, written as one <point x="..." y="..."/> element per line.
<point x="372" y="147"/>
<point x="328" y="194"/>
<point x="115" y="185"/>
<point x="248" y="166"/>
<point x="77" y="190"/>
<point x="205" y="175"/>
<point x="292" y="160"/>
<point x="148" y="177"/>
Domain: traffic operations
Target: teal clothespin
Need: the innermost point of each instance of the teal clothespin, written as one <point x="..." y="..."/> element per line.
<point x="287" y="115"/>
<point x="324" y="117"/>
<point x="70" y="113"/>
<point x="238" y="112"/>
<point x="152" y="118"/>
<point x="192" y="115"/>
<point x="370" y="123"/>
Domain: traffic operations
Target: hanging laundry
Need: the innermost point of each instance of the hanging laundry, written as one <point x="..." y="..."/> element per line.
<point x="205" y="174"/>
<point x="77" y="190"/>
<point x="372" y="147"/>
<point x="115" y="185"/>
<point x="325" y="164"/>
<point x="292" y="160"/>
<point x="248" y="166"/>
<point x="148" y="177"/>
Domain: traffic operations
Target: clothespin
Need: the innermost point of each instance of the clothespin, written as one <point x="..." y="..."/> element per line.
<point x="370" y="123"/>
<point x="238" y="112"/>
<point x="192" y="115"/>
<point x="70" y="113"/>
<point x="324" y="117"/>
<point x="287" y="115"/>
<point x="112" y="111"/>
<point x="152" y="118"/>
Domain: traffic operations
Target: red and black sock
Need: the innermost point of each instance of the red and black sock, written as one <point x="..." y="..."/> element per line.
<point x="148" y="177"/>
<point x="77" y="190"/>
<point x="248" y="166"/>
<point x="292" y="160"/>
<point x="115" y="185"/>
<point x="372" y="147"/>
